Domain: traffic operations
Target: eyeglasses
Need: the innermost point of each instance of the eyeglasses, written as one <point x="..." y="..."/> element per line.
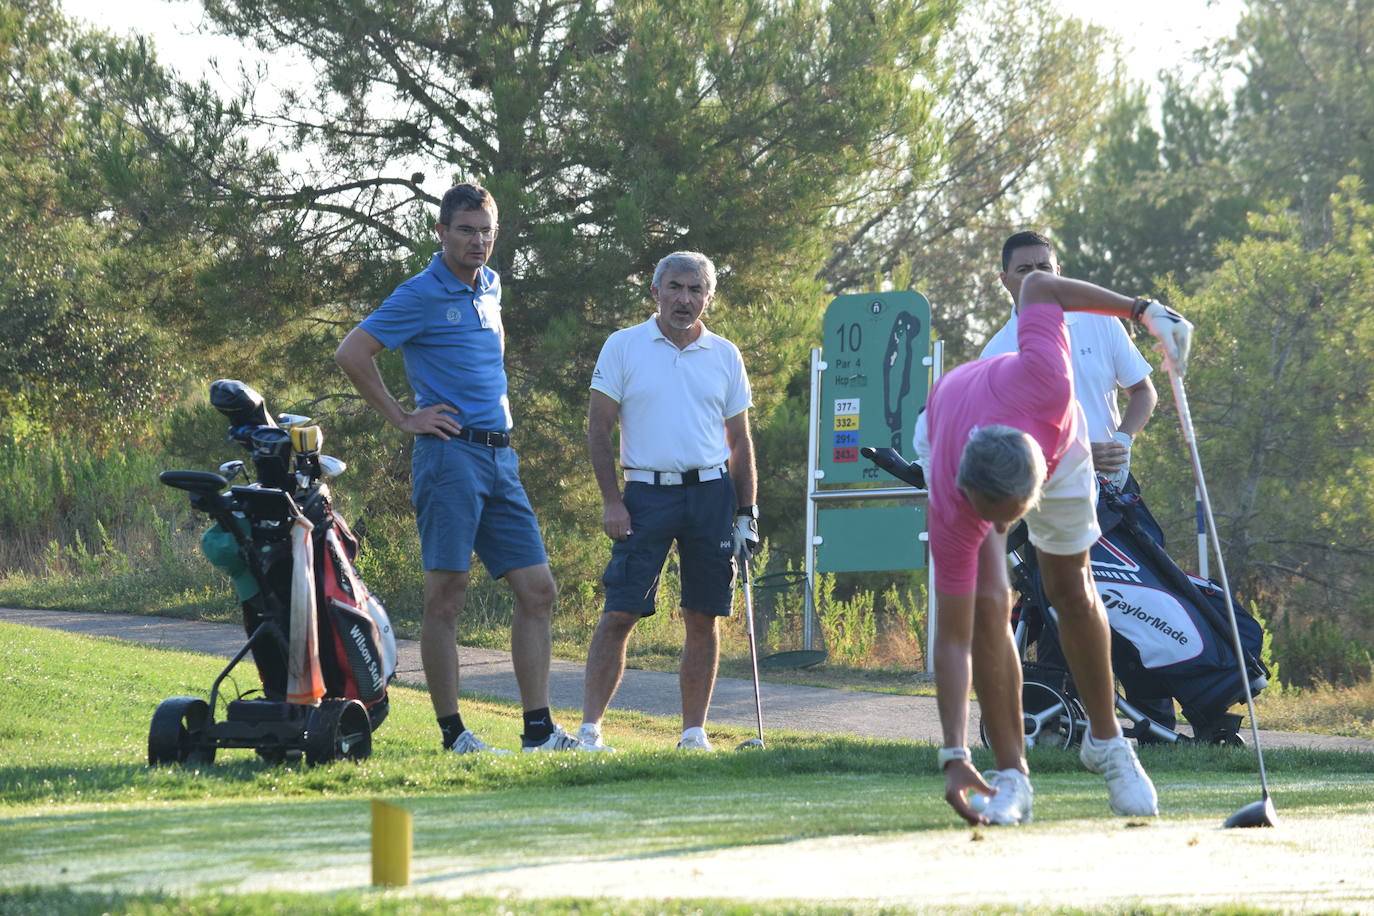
<point x="467" y="232"/>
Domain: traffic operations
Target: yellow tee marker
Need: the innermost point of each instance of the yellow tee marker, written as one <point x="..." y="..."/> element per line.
<point x="392" y="836"/>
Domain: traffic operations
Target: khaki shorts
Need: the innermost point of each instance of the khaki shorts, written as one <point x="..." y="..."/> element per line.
<point x="1065" y="522"/>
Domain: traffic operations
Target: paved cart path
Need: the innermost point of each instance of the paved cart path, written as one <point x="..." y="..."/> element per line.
<point x="488" y="671"/>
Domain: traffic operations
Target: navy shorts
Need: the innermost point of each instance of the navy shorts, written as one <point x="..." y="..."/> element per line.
<point x="467" y="498"/>
<point x="701" y="519"/>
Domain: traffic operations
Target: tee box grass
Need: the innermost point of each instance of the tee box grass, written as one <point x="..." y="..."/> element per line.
<point x="82" y="818"/>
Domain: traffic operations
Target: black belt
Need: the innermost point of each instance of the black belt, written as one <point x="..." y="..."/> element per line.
<point x="496" y="438"/>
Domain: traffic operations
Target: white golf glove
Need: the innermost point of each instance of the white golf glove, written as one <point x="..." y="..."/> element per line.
<point x="1174" y="332"/>
<point x="1118" y="477"/>
<point x="746" y="536"/>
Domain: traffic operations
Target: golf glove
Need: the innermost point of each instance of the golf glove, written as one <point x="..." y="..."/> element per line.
<point x="746" y="536"/>
<point x="1118" y="477"/>
<point x="1175" y="333"/>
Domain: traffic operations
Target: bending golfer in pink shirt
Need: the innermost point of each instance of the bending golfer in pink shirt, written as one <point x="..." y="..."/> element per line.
<point x="1007" y="440"/>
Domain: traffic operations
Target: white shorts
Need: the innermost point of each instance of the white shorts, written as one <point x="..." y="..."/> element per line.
<point x="1065" y="522"/>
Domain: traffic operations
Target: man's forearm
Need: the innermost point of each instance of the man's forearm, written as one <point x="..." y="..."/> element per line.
<point x="603" y="465"/>
<point x="953" y="680"/>
<point x="743" y="474"/>
<point x="1140" y="406"/>
<point x="1074" y="295"/>
<point x="359" y="364"/>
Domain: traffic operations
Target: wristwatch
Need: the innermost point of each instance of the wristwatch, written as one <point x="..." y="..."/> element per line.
<point x="950" y="754"/>
<point x="747" y="511"/>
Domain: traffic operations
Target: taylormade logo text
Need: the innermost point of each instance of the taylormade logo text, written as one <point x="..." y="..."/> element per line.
<point x="1115" y="601"/>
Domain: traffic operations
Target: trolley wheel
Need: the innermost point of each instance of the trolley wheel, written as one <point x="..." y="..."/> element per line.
<point x="335" y="729"/>
<point x="178" y="733"/>
<point x="1051" y="717"/>
<point x="1226" y="739"/>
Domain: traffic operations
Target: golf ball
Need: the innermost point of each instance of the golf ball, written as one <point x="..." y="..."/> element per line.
<point x="977" y="802"/>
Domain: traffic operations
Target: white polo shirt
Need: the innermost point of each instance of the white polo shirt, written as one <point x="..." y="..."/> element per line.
<point x="1103" y="358"/>
<point x="673" y="403"/>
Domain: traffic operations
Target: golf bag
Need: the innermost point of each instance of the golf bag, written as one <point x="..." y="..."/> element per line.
<point x="322" y="644"/>
<point x="1170" y="635"/>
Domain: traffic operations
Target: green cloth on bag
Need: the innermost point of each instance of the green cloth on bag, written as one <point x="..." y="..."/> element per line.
<point x="221" y="549"/>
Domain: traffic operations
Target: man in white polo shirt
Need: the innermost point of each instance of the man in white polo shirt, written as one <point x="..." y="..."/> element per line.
<point x="1104" y="359"/>
<point x="681" y="397"/>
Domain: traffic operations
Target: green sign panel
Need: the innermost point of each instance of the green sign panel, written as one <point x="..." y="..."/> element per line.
<point x="870" y="538"/>
<point x="874" y="382"/>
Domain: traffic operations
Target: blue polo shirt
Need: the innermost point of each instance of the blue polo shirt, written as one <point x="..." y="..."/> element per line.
<point x="451" y="338"/>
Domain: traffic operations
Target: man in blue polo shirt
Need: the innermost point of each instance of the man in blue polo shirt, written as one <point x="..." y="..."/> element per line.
<point x="466" y="486"/>
<point x="681" y="398"/>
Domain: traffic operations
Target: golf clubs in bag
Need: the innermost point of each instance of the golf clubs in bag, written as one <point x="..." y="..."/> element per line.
<point x="1170" y="635"/>
<point x="321" y="642"/>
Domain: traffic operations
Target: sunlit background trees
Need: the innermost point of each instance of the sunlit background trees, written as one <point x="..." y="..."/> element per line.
<point x="161" y="233"/>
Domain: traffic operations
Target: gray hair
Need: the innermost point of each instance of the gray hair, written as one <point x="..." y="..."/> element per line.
<point x="694" y="261"/>
<point x="1000" y="462"/>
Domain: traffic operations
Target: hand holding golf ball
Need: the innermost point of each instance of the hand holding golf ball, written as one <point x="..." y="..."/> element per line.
<point x="977" y="802"/>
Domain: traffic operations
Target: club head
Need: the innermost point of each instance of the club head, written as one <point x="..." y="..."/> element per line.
<point x="1255" y="814"/>
<point x="232" y="469"/>
<point x="751" y="743"/>
<point x="331" y="466"/>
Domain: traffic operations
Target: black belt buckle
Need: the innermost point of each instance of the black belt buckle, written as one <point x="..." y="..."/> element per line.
<point x="691" y="477"/>
<point x="492" y="438"/>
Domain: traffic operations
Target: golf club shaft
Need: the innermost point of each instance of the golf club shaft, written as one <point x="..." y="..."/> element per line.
<point x="753" y="646"/>
<point x="1185" y="419"/>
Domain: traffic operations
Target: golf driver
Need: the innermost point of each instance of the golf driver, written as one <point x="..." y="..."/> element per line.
<point x="753" y="650"/>
<point x="1260" y="813"/>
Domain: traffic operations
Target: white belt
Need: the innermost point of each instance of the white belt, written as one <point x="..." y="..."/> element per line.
<point x="674" y="478"/>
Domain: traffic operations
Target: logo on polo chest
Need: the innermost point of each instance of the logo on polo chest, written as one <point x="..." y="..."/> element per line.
<point x="454" y="315"/>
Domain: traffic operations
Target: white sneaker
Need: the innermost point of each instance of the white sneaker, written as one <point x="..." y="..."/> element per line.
<point x="589" y="736"/>
<point x="1129" y="788"/>
<point x="694" y="739"/>
<point x="558" y="741"/>
<point x="1011" y="803"/>
<point x="468" y="743"/>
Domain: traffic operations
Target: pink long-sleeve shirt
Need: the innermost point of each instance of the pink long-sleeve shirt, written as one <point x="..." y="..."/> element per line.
<point x="1030" y="390"/>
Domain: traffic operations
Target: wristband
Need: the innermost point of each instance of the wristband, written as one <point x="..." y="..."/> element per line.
<point x="1138" y="307"/>
<point x="948" y="755"/>
<point x="747" y="511"/>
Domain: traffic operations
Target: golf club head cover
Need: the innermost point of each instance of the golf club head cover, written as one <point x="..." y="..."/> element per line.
<point x="890" y="460"/>
<point x="1174" y="332"/>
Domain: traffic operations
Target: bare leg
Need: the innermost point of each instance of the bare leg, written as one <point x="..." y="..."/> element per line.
<point x="996" y="665"/>
<point x="1085" y="635"/>
<point x="606" y="663"/>
<point x="697" y="674"/>
<point x="531" y="632"/>
<point x="445" y="593"/>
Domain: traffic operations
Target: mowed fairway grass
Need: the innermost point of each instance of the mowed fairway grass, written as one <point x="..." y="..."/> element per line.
<point x="813" y="824"/>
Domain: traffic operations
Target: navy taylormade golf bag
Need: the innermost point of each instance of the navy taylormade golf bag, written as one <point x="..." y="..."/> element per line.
<point x="322" y="644"/>
<point x="1170" y="635"/>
